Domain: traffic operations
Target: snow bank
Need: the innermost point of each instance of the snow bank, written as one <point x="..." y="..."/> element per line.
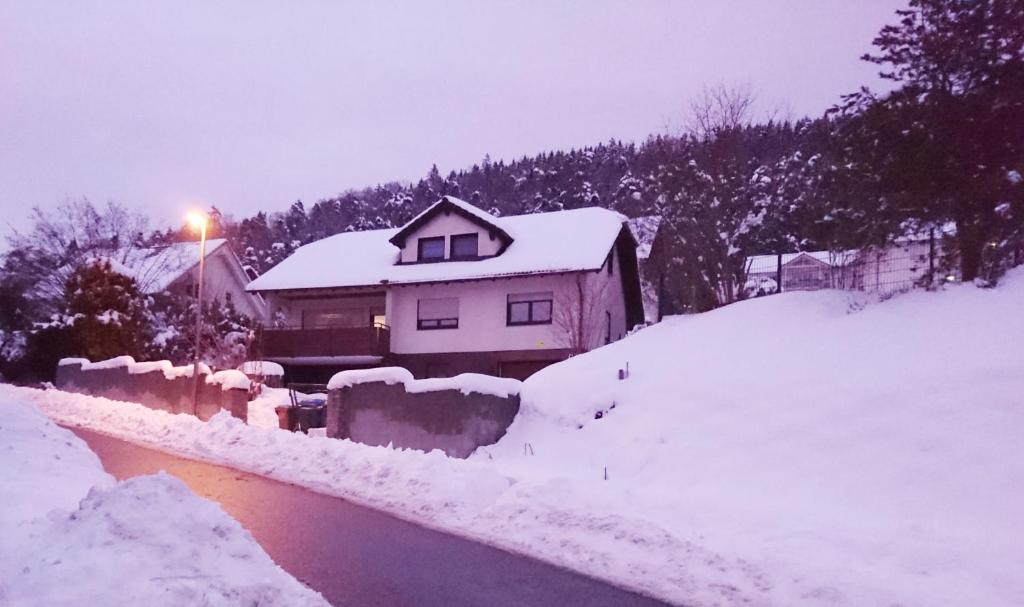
<point x="467" y="498"/>
<point x="228" y="379"/>
<point x="42" y="467"/>
<point x="465" y="382"/>
<point x="848" y="456"/>
<point x="72" y="536"/>
<point x="261" y="367"/>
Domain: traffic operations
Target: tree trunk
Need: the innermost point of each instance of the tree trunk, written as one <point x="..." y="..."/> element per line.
<point x="970" y="241"/>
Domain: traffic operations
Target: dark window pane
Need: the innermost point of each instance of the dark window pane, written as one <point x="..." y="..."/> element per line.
<point x="464" y="245"/>
<point x="541" y="311"/>
<point x="431" y="248"/>
<point x="519" y="312"/>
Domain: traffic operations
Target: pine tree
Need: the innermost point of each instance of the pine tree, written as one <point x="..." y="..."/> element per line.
<point x="948" y="144"/>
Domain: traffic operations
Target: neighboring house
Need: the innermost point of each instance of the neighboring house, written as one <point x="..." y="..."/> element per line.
<point x="174" y="268"/>
<point x="805" y="271"/>
<point x="454" y="290"/>
<point x="645" y="230"/>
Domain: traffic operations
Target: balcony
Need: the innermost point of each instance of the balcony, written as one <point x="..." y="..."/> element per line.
<point x="295" y="344"/>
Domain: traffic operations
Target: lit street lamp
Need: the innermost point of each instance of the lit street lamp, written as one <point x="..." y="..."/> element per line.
<point x="198" y="221"/>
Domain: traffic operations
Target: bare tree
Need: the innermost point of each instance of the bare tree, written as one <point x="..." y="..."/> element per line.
<point x="719" y="108"/>
<point x="580" y="313"/>
<point x="62" y="239"/>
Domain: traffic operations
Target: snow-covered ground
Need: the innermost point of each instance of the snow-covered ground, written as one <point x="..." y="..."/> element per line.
<point x="71" y="535"/>
<point x="800" y="449"/>
<point x="849" y="456"/>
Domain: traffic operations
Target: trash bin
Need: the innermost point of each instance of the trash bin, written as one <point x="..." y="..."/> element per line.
<point x="310" y="413"/>
<point x="285" y="417"/>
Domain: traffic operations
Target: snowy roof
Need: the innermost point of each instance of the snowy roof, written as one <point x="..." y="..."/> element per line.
<point x="765" y="263"/>
<point x="561" y="241"/>
<point x="155" y="268"/>
<point x="448" y="204"/>
<point x="644" y="229"/>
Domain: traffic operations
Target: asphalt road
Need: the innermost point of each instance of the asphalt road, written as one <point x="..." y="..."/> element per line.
<point x="358" y="556"/>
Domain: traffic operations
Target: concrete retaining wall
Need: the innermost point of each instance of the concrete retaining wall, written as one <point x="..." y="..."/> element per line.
<point x="378" y="413"/>
<point x="153" y="389"/>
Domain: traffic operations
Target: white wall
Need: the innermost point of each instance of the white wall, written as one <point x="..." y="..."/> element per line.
<point x="223" y="276"/>
<point x="483" y="310"/>
<point x="448" y="225"/>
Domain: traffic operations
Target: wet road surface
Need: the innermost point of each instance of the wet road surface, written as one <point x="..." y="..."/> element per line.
<point x="354" y="555"/>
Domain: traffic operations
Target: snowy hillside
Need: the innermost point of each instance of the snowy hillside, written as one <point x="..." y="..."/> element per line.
<point x="846" y="454"/>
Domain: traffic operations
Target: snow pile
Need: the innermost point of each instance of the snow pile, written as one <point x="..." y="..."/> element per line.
<point x="464" y="382"/>
<point x="850" y="456"/>
<point x="228" y="379"/>
<point x="72" y="536"/>
<point x="42" y="467"/>
<point x="468" y="498"/>
<point x="261" y="367"/>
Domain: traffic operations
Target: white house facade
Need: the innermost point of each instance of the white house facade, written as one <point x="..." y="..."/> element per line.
<point x="455" y="290"/>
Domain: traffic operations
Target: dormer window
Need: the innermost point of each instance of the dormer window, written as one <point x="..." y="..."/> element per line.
<point x="465" y="246"/>
<point x="431" y="249"/>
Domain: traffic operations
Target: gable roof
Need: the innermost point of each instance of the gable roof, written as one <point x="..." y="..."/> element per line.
<point x="450" y="204"/>
<point x="541" y="243"/>
<point x="155" y="268"/>
<point x="644" y="230"/>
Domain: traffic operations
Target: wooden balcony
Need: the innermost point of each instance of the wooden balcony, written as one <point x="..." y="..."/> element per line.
<point x="320" y="343"/>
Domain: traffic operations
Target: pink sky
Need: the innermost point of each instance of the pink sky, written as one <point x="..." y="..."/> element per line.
<point x="250" y="105"/>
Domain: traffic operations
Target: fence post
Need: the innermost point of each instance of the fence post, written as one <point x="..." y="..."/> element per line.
<point x="778" y="274"/>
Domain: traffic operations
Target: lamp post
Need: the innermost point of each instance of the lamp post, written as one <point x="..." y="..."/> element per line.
<point x="198" y="221"/>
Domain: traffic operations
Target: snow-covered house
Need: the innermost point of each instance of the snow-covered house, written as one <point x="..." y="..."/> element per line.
<point x="174" y="268"/>
<point x="454" y="290"/>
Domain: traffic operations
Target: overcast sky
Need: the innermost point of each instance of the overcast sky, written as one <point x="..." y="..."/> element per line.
<point x="251" y="105"/>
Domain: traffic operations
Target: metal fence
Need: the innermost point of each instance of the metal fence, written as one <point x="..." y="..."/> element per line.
<point x="883" y="271"/>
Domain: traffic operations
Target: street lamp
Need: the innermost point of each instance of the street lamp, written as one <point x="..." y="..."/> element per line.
<point x="198" y="221"/>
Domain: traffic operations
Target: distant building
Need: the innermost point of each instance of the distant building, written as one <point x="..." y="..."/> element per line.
<point x="174" y="268"/>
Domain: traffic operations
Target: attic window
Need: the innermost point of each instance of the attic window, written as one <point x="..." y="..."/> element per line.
<point x="465" y="246"/>
<point x="431" y="249"/>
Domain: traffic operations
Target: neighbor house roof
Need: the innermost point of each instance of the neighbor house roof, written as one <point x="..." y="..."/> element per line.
<point x="155" y="268"/>
<point x="644" y="229"/>
<point x="561" y="241"/>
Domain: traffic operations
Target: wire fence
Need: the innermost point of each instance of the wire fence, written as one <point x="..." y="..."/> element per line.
<point x="883" y="271"/>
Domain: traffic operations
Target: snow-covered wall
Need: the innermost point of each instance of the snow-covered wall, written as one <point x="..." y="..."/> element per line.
<point x="157" y="385"/>
<point x="387" y="406"/>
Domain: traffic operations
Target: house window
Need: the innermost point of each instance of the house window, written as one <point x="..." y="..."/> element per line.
<point x="611" y="262"/>
<point x="431" y="249"/>
<point x="334" y="319"/>
<point x="441" y="313"/>
<point x="529" y="309"/>
<point x="465" y="246"/>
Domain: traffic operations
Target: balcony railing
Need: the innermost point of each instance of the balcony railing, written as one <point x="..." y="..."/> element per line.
<point x="348" y="341"/>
